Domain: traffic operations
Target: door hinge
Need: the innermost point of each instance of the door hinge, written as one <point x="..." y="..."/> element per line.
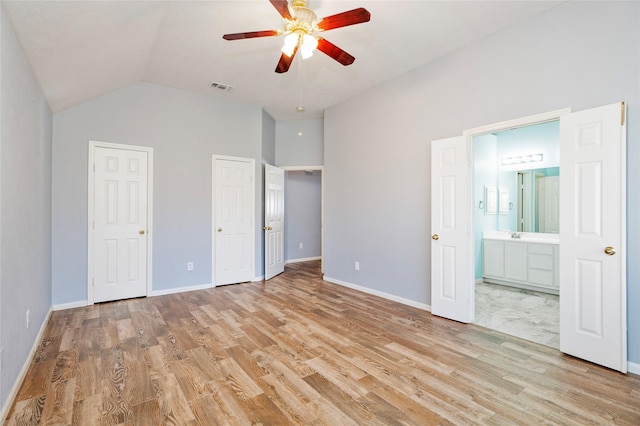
<point x="622" y="114"/>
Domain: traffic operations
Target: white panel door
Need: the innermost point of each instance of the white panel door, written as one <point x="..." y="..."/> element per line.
<point x="120" y="224"/>
<point x="233" y="221"/>
<point x="592" y="226"/>
<point x="451" y="254"/>
<point x="273" y="221"/>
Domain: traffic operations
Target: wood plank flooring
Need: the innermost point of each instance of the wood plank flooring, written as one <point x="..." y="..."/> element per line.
<point x="298" y="350"/>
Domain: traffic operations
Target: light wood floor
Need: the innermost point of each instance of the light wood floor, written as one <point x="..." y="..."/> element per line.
<point x="297" y="350"/>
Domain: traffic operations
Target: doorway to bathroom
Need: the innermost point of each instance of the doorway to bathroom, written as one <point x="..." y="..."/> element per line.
<point x="516" y="232"/>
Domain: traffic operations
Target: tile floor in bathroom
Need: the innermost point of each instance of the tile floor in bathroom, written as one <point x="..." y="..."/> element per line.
<point x="527" y="314"/>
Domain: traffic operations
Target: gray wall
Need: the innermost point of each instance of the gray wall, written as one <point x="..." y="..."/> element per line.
<point x="268" y="139"/>
<point x="184" y="129"/>
<point x="377" y="145"/>
<point x="303" y="200"/>
<point x="25" y="207"/>
<point x="293" y="149"/>
<point x="303" y="204"/>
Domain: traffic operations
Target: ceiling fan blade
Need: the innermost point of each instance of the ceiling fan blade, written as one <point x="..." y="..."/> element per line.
<point x="282" y="6"/>
<point x="251" y="34"/>
<point x="335" y="52"/>
<point x="351" y="17"/>
<point x="285" y="62"/>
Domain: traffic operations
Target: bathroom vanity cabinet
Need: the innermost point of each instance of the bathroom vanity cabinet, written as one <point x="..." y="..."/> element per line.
<point x="530" y="263"/>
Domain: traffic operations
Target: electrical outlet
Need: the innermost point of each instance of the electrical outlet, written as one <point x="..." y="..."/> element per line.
<point x="28" y="317"/>
<point x="190" y="266"/>
<point x="300" y="246"/>
<point x="356" y="265"/>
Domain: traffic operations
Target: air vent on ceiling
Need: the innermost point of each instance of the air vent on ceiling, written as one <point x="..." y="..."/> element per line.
<point x="221" y="86"/>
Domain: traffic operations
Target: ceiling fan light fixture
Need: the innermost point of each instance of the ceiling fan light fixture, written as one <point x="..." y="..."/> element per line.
<point x="309" y="44"/>
<point x="290" y="43"/>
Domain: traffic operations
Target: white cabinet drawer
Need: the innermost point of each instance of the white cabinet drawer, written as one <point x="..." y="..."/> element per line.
<point x="540" y="261"/>
<point x="541" y="248"/>
<point x="542" y="277"/>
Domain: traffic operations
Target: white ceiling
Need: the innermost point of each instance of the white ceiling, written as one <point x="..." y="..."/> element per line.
<point x="83" y="49"/>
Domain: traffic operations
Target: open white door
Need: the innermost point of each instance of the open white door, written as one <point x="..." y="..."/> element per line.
<point x="592" y="225"/>
<point x="451" y="254"/>
<point x="233" y="220"/>
<point x="273" y="221"/>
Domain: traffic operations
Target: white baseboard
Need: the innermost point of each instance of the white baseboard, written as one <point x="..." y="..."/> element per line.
<point x="180" y="289"/>
<point x="303" y="259"/>
<point x="25" y="367"/>
<point x="70" y="305"/>
<point x="379" y="294"/>
<point x="633" y="367"/>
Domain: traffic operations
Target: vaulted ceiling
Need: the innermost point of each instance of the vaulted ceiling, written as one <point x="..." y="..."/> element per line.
<point x="83" y="49"/>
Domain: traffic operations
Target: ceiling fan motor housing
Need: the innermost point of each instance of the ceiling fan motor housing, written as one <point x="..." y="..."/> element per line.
<point x="304" y="20"/>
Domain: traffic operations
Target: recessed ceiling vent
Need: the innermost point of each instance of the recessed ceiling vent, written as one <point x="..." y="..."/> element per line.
<point x="222" y="86"/>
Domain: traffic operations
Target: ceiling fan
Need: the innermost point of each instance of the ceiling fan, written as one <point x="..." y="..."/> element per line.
<point x="300" y="24"/>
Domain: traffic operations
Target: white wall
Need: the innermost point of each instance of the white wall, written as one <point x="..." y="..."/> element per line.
<point x="184" y="129"/>
<point x="377" y="145"/>
<point x="293" y="149"/>
<point x="25" y="208"/>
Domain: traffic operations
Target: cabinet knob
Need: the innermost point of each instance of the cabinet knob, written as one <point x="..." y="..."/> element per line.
<point x="435" y="237"/>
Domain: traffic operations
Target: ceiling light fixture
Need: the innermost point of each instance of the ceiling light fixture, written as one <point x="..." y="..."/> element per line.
<point x="300" y="31"/>
<point x="518" y="159"/>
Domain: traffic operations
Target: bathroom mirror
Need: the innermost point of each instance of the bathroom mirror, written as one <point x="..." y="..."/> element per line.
<point x="534" y="199"/>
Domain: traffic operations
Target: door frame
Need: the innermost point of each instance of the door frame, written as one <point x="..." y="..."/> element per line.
<point x="313" y="169"/>
<point x="91" y="210"/>
<point x="252" y="163"/>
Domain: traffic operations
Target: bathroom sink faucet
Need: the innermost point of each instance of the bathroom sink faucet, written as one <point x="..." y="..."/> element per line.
<point x="515" y="235"/>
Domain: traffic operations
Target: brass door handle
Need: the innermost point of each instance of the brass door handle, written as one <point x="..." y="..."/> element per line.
<point x="435" y="237"/>
<point x="141" y="232"/>
<point x="610" y="251"/>
<point x="219" y="229"/>
<point x="267" y="228"/>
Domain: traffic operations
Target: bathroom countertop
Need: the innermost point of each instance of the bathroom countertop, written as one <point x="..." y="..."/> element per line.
<point x="525" y="237"/>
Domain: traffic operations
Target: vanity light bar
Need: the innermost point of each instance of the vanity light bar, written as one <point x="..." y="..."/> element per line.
<point x="519" y="159"/>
